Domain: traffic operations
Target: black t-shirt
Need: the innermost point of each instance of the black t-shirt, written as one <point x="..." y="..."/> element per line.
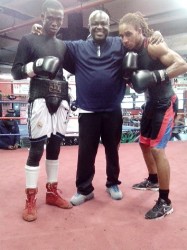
<point x="31" y="47"/>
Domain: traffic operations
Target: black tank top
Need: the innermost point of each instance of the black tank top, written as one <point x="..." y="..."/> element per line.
<point x="162" y="90"/>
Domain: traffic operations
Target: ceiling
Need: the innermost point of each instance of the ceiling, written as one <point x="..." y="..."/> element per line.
<point x="17" y="17"/>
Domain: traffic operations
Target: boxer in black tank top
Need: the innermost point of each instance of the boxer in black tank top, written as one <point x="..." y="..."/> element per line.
<point x="149" y="68"/>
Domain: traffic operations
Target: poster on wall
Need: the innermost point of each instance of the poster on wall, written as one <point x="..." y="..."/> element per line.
<point x="180" y="86"/>
<point x="180" y="83"/>
<point x="20" y="89"/>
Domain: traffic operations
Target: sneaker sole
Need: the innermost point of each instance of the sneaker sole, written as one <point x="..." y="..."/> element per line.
<point x="89" y="197"/>
<point x="144" y="189"/>
<point x="161" y="217"/>
<point x="119" y="198"/>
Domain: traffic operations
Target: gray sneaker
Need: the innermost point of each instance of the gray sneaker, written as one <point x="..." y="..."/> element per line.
<point x="78" y="198"/>
<point x="160" y="210"/>
<point x="146" y="185"/>
<point x="115" y="192"/>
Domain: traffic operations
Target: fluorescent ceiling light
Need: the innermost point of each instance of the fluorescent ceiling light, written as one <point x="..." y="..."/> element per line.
<point x="183" y="3"/>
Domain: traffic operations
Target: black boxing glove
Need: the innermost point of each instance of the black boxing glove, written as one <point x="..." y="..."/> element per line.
<point x="45" y="67"/>
<point x="129" y="65"/>
<point x="143" y="79"/>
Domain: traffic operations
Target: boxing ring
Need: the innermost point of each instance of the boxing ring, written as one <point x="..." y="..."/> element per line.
<point x="102" y="221"/>
<point x="130" y="131"/>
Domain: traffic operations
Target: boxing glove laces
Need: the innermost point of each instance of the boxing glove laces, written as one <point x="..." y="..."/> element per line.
<point x="43" y="67"/>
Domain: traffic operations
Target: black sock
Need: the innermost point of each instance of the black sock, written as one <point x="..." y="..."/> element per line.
<point x="153" y="178"/>
<point x="163" y="194"/>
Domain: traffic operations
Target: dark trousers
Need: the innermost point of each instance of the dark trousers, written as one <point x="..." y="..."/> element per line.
<point x="106" y="126"/>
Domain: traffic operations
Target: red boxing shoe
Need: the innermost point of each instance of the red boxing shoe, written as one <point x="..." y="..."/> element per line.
<point x="53" y="198"/>
<point x="30" y="211"/>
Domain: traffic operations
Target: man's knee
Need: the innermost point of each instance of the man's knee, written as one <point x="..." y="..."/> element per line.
<point x="35" y="153"/>
<point x="53" y="147"/>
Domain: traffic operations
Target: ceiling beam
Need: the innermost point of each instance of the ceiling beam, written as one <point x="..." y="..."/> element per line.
<point x="68" y="10"/>
<point x="14" y="13"/>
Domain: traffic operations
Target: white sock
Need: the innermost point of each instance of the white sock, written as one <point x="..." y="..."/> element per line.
<point x="32" y="174"/>
<point x="52" y="170"/>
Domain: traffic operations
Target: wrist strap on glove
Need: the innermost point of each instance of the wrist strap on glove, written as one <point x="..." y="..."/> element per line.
<point x="160" y="76"/>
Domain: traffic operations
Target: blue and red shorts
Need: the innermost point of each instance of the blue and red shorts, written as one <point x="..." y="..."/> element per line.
<point x="157" y="122"/>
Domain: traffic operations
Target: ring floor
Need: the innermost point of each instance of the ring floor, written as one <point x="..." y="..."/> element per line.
<point x="101" y="223"/>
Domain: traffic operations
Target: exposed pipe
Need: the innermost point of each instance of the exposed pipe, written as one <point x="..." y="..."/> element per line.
<point x="68" y="10"/>
<point x="9" y="38"/>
